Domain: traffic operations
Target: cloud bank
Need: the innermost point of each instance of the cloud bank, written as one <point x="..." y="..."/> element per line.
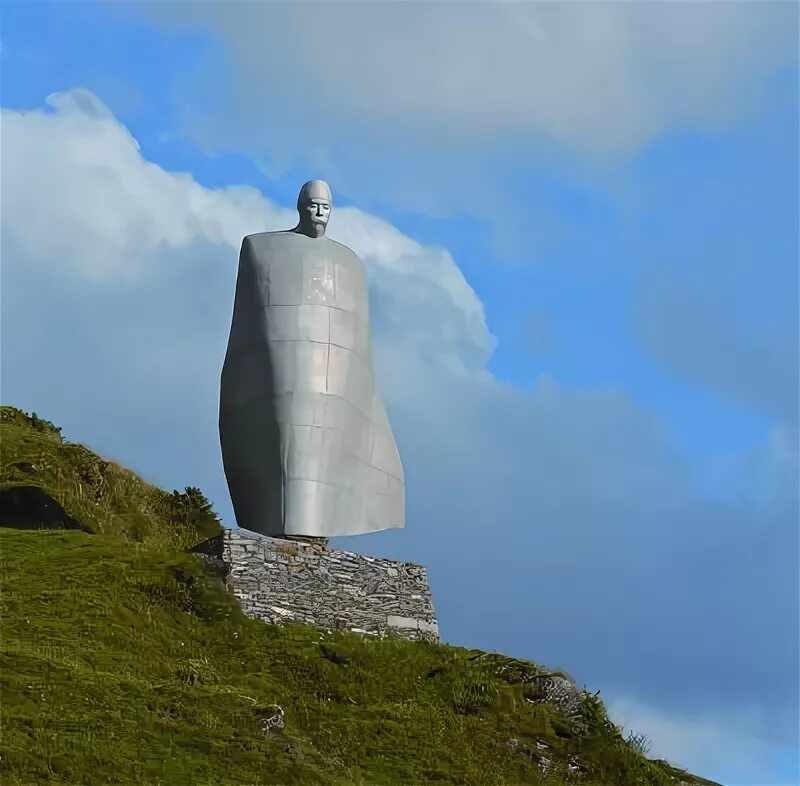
<point x="602" y="77"/>
<point x="352" y="89"/>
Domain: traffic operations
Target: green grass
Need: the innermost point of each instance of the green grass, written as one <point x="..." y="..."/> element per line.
<point x="124" y="659"/>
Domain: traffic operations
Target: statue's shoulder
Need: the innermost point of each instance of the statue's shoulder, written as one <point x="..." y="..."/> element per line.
<point x="294" y="243"/>
<point x="341" y="248"/>
<point x="261" y="245"/>
<point x="265" y="237"/>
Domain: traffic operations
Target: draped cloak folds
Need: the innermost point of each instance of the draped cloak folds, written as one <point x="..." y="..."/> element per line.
<point x="306" y="443"/>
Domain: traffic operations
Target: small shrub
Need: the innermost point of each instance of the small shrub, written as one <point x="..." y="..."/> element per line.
<point x="192" y="510"/>
<point x="197" y="671"/>
<point x="472" y="696"/>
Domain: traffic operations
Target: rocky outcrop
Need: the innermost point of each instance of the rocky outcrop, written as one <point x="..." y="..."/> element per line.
<point x="560" y="692"/>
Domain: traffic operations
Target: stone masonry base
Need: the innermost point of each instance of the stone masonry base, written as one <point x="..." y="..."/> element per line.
<point x="283" y="581"/>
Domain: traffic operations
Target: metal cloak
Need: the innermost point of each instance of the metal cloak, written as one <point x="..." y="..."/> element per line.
<point x="306" y="443"/>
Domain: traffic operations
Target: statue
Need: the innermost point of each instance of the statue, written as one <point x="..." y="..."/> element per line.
<point x="306" y="443"/>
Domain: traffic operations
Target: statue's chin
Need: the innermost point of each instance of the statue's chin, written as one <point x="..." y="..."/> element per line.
<point x="311" y="230"/>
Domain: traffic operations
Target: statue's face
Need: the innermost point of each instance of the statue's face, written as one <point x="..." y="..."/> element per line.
<point x="316" y="213"/>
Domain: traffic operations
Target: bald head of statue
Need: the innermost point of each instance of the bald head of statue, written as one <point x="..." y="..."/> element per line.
<point x="314" y="207"/>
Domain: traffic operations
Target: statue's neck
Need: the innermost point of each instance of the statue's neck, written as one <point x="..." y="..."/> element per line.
<point x="309" y="232"/>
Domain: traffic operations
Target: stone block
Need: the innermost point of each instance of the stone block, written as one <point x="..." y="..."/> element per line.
<point x="325" y="588"/>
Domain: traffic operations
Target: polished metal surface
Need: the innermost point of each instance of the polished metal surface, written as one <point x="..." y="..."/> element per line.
<point x="306" y="443"/>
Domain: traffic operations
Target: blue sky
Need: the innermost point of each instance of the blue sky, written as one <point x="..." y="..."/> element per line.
<point x="584" y="291"/>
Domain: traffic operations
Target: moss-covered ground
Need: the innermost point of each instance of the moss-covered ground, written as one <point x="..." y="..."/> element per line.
<point x="125" y="660"/>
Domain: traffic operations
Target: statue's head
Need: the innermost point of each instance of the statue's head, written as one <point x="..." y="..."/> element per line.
<point x="314" y="207"/>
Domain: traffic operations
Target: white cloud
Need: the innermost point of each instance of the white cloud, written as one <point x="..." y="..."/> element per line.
<point x="681" y="738"/>
<point x="449" y="108"/>
<point x="601" y="77"/>
<point x="568" y="509"/>
<point x="105" y="211"/>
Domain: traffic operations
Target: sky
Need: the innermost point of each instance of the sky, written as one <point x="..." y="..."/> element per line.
<point x="579" y="224"/>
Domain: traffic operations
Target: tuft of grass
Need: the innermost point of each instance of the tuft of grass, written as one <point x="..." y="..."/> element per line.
<point x="639" y="743"/>
<point x="125" y="659"/>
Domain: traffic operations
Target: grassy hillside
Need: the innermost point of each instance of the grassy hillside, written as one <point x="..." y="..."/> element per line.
<point x="125" y="660"/>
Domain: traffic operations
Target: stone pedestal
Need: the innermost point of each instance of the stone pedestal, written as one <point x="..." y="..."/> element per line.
<point x="303" y="580"/>
<point x="319" y="545"/>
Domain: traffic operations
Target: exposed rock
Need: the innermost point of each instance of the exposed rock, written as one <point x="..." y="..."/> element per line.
<point x="271" y="717"/>
<point x="560" y="692"/>
<point x="536" y="752"/>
